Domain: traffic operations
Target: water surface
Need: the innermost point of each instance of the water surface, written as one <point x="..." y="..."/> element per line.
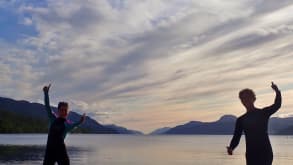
<point x="23" y="149"/>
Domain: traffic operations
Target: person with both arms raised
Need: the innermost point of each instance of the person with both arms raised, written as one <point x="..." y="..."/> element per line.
<point x="254" y="123"/>
<point x="59" y="127"/>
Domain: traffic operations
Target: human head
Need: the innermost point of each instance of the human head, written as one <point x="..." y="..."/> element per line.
<point x="62" y="109"/>
<point x="247" y="97"/>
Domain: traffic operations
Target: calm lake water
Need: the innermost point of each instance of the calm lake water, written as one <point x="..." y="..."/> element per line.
<point x="29" y="149"/>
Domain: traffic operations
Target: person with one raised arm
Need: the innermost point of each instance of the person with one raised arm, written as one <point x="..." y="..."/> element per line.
<point x="58" y="128"/>
<point x="254" y="124"/>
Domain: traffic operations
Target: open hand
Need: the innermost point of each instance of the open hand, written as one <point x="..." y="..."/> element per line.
<point x="82" y="118"/>
<point x="229" y="150"/>
<point x="274" y="86"/>
<point x="46" y="88"/>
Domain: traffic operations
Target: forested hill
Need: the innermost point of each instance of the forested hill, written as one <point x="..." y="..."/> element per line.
<point x="25" y="117"/>
<point x="11" y="122"/>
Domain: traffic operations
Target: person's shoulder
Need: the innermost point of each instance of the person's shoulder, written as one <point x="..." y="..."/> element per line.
<point x="265" y="108"/>
<point x="241" y="117"/>
<point x="261" y="111"/>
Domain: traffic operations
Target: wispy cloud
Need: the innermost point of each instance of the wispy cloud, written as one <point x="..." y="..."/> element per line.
<point x="148" y="64"/>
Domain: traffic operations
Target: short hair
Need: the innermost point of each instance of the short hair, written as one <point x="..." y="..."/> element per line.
<point x="244" y="93"/>
<point x="61" y="104"/>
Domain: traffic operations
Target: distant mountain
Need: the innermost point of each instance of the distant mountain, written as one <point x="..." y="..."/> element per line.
<point x="225" y="126"/>
<point x="35" y="111"/>
<point x="160" y="131"/>
<point x="281" y="126"/>
<point x="123" y="130"/>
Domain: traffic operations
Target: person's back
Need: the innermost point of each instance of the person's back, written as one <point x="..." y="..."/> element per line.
<point x="254" y="124"/>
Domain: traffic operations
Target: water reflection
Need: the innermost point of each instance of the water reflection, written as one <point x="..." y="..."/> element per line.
<point x="134" y="150"/>
<point x="34" y="153"/>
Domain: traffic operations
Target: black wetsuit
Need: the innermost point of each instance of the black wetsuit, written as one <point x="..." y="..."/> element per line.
<point x="56" y="150"/>
<point x="255" y="125"/>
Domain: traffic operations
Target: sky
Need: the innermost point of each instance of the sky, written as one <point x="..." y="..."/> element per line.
<point x="146" y="64"/>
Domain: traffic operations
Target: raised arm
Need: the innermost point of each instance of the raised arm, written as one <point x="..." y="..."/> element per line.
<point x="277" y="103"/>
<point x="50" y="114"/>
<point x="236" y="137"/>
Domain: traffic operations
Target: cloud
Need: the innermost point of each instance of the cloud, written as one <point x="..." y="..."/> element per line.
<point x="27" y="21"/>
<point x="148" y="64"/>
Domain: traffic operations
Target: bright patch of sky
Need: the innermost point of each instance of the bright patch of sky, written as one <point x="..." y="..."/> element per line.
<point x="147" y="64"/>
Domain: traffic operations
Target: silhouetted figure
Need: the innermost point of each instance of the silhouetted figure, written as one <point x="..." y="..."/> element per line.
<point x="254" y="123"/>
<point x="59" y="127"/>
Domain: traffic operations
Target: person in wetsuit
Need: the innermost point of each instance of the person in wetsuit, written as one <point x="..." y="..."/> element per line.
<point x="254" y="123"/>
<point x="59" y="127"/>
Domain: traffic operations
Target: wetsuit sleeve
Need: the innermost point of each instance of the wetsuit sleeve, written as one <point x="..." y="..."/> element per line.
<point x="276" y="106"/>
<point x="70" y="126"/>
<point x="50" y="114"/>
<point x="237" y="134"/>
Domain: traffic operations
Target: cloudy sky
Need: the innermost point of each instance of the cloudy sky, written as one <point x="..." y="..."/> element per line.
<point x="146" y="64"/>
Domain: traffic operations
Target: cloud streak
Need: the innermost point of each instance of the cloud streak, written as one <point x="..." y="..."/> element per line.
<point x="149" y="64"/>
